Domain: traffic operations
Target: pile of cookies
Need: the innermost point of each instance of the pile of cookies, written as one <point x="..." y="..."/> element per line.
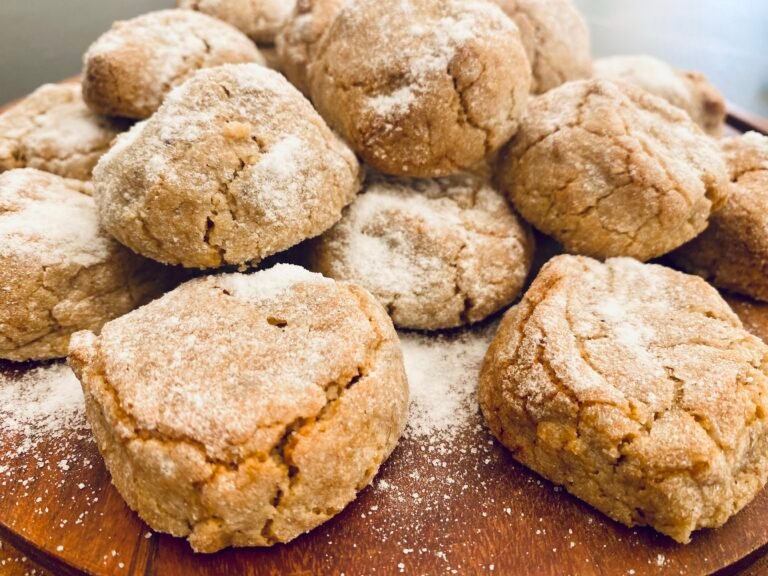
<point x="402" y="153"/>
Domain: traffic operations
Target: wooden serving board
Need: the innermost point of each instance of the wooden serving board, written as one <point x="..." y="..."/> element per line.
<point x="462" y="507"/>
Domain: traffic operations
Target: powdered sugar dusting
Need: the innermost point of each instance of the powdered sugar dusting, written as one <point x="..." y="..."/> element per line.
<point x="267" y="284"/>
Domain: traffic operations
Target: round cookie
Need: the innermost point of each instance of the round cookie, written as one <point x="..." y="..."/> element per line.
<point x="59" y="273"/>
<point x="421" y="87"/>
<point x="297" y="41"/>
<point x="129" y="70"/>
<point x="53" y="130"/>
<point x="610" y="170"/>
<point x="556" y="40"/>
<point x="732" y="252"/>
<point x="235" y="166"/>
<point x="261" y="20"/>
<point x="637" y="388"/>
<point x="245" y="410"/>
<point x="436" y="253"/>
<point x="687" y="90"/>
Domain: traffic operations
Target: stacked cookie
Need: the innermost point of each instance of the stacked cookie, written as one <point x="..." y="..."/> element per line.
<point x="393" y="156"/>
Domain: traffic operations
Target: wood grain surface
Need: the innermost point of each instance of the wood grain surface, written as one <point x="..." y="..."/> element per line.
<point x="467" y="508"/>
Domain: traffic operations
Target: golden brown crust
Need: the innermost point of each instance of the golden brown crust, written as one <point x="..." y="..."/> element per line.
<point x="297" y="42"/>
<point x="732" y="253"/>
<point x="556" y="40"/>
<point x="610" y="170"/>
<point x="53" y="130"/>
<point x="261" y="20"/>
<point x="436" y="253"/>
<point x="268" y="437"/>
<point x="234" y="167"/>
<point x="637" y="388"/>
<point x="59" y="273"/>
<point x="129" y="69"/>
<point x="690" y="91"/>
<point x="421" y="88"/>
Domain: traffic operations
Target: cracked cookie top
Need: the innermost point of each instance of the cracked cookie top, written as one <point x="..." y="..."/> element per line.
<point x="556" y="40"/>
<point x="687" y="90"/>
<point x="436" y="253"/>
<point x="648" y="362"/>
<point x="733" y="251"/>
<point x="297" y="42"/>
<point x="234" y="167"/>
<point x="421" y="87"/>
<point x="611" y="170"/>
<point x="129" y="69"/>
<point x="261" y="20"/>
<point x="227" y="362"/>
<point x="53" y="130"/>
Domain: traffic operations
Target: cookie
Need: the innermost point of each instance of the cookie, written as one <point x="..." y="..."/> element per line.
<point x="53" y="130"/>
<point x="261" y="20"/>
<point x="611" y="170"/>
<point x="297" y="42"/>
<point x="421" y="88"/>
<point x="235" y="166"/>
<point x="732" y="253"/>
<point x="245" y="410"/>
<point x="636" y="388"/>
<point x="59" y="272"/>
<point x="129" y="70"/>
<point x="436" y="253"/>
<point x="690" y="91"/>
<point x="556" y="40"/>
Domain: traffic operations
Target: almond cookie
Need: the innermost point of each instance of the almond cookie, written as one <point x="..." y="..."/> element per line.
<point x="611" y="170"/>
<point x="556" y="40"/>
<point x="53" y="130"/>
<point x="687" y="90"/>
<point x="130" y="69"/>
<point x="436" y="253"/>
<point x="245" y="410"/>
<point x="234" y="167"/>
<point x="732" y="253"/>
<point x="297" y="42"/>
<point x="261" y="20"/>
<point x="421" y="87"/>
<point x="635" y="387"/>
<point x="59" y="272"/>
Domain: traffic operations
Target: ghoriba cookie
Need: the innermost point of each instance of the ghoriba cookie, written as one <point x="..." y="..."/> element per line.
<point x="59" y="272"/>
<point x="732" y="252"/>
<point x="53" y="130"/>
<point x="245" y="410"/>
<point x="611" y="170"/>
<point x="636" y="388"/>
<point x="261" y="20"/>
<point x="436" y="253"/>
<point x="129" y="69"/>
<point x="235" y="166"/>
<point x="556" y="40"/>
<point x="421" y="87"/>
<point x="690" y="91"/>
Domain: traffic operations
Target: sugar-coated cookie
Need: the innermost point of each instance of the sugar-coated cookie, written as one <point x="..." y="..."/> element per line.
<point x="53" y="130"/>
<point x="234" y="167"/>
<point x="690" y="91"/>
<point x="245" y="410"/>
<point x="59" y="272"/>
<point x="556" y="40"/>
<point x="732" y="252"/>
<point x="261" y="20"/>
<point x="421" y="87"/>
<point x="436" y="253"/>
<point x="129" y="69"/>
<point x="636" y="388"/>
<point x="611" y="170"/>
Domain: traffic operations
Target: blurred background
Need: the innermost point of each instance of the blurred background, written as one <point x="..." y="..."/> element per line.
<point x="43" y="40"/>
